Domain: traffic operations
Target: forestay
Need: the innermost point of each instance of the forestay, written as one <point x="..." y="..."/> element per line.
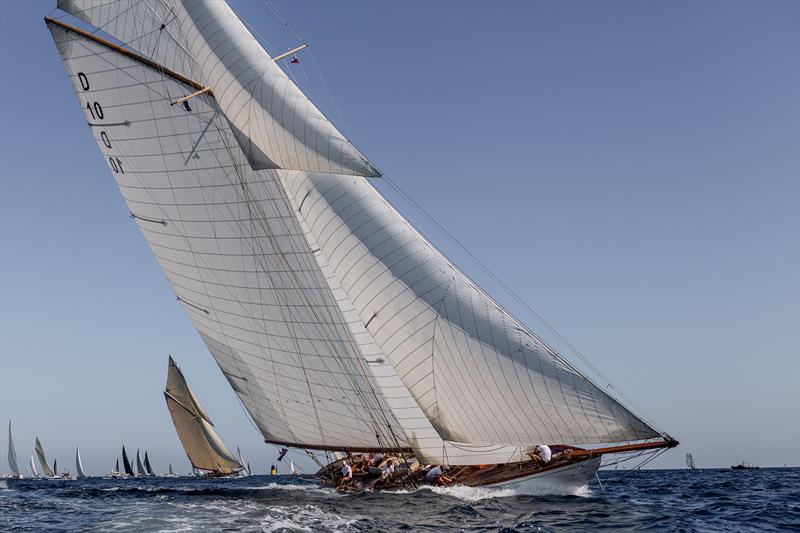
<point x="276" y="125"/>
<point x="233" y="252"/>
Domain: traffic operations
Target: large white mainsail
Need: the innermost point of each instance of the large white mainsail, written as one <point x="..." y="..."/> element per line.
<point x="195" y="430"/>
<point x="338" y="325"/>
<point x="78" y="464"/>
<point x="276" y="125"/>
<point x="46" y="470"/>
<point x="233" y="251"/>
<point x="12" y="454"/>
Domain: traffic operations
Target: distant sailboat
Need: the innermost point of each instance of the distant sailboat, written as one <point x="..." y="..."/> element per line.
<point x="12" y="455"/>
<point x="115" y="471"/>
<point x="126" y="464"/>
<point x="55" y="467"/>
<point x="34" y="472"/>
<point x="170" y="472"/>
<point x="338" y="324"/>
<point x="195" y="430"/>
<point x="147" y="467"/>
<point x="244" y="471"/>
<point x="46" y="470"/>
<point x="690" y="462"/>
<point x="292" y="469"/>
<point x="78" y="464"/>
<point x="140" y="471"/>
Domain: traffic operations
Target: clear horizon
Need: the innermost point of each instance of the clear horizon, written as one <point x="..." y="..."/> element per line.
<point x="631" y="170"/>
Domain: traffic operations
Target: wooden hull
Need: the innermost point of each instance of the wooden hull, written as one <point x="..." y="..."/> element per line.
<point x="568" y="479"/>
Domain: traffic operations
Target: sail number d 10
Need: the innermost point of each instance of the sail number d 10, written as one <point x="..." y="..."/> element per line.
<point x="96" y="111"/>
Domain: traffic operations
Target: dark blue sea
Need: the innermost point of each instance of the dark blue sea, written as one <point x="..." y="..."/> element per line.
<point x="649" y="500"/>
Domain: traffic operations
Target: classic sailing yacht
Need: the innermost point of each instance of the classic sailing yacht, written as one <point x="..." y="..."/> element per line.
<point x="12" y="456"/>
<point x="79" y="474"/>
<point x="340" y="327"/>
<point x="126" y="464"/>
<point x="147" y="467"/>
<point x="40" y="455"/>
<point x="203" y="446"/>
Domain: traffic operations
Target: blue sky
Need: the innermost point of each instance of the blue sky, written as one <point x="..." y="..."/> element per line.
<point x="630" y="169"/>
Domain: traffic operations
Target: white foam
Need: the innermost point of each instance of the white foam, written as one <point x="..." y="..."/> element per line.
<point x="473" y="494"/>
<point x="306" y="518"/>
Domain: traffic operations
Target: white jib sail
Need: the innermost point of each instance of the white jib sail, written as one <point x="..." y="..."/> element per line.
<point x="12" y="454"/>
<point x="276" y="125"/>
<point x="46" y="470"/>
<point x="78" y="464"/>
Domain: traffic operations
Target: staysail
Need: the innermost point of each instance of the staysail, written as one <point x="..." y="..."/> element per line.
<point x="78" y="464"/>
<point x="12" y="454"/>
<point x="202" y="444"/>
<point x="116" y="466"/>
<point x="147" y="467"/>
<point x="338" y="325"/>
<point x="126" y="464"/>
<point x="46" y="470"/>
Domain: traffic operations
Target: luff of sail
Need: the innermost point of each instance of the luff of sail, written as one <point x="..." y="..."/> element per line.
<point x="275" y="124"/>
<point x="126" y="464"/>
<point x="328" y="313"/>
<point x="201" y="443"/>
<point x="40" y="455"/>
<point x="78" y="464"/>
<point x="12" y="455"/>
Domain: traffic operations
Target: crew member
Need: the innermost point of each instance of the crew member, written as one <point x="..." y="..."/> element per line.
<point x="541" y="454"/>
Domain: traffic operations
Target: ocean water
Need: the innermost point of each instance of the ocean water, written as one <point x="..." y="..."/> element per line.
<point x="649" y="500"/>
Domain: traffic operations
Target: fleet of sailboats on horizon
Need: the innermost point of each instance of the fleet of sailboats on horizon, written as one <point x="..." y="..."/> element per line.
<point x="339" y="326"/>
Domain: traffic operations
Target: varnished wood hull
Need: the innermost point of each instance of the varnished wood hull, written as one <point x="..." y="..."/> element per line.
<point x="567" y="480"/>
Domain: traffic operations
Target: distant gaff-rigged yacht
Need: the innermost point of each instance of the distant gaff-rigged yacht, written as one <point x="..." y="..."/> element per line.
<point x="340" y="327"/>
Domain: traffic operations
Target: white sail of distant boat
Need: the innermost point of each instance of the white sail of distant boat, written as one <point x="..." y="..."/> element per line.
<point x="78" y="464"/>
<point x="245" y="471"/>
<point x="690" y="462"/>
<point x="34" y="472"/>
<point x="140" y="470"/>
<point x="294" y="471"/>
<point x="12" y="455"/>
<point x="40" y="455"/>
<point x="195" y="429"/>
<point x="170" y="472"/>
<point x="147" y="467"/>
<point x="340" y="327"/>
